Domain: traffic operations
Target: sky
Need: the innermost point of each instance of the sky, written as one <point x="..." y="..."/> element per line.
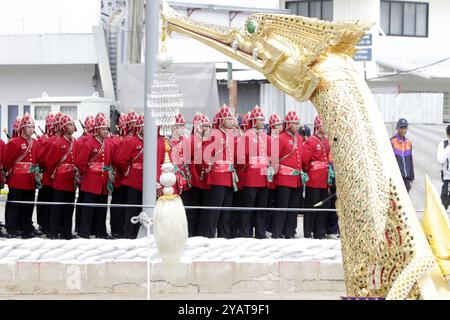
<point x="48" y="16"/>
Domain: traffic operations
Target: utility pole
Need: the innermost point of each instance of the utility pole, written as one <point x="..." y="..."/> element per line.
<point x="152" y="8"/>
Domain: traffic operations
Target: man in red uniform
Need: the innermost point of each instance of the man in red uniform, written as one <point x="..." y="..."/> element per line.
<point x="238" y="196"/>
<point x="20" y="162"/>
<point x="201" y="130"/>
<point x="45" y="193"/>
<point x="255" y="185"/>
<point x="93" y="163"/>
<point x="288" y="180"/>
<point x="60" y="162"/>
<point x="316" y="162"/>
<point x="89" y="124"/>
<point x="178" y="145"/>
<point x="274" y="129"/>
<point x="129" y="162"/>
<point x="220" y="159"/>
<point x="118" y="195"/>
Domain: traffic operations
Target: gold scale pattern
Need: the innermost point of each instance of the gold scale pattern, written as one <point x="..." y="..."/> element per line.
<point x="376" y="243"/>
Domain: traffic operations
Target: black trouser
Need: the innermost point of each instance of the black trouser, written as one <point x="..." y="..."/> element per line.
<point x="93" y="218"/>
<point x="235" y="220"/>
<point x="19" y="216"/>
<point x="132" y="196"/>
<point x="212" y="220"/>
<point x="78" y="210"/>
<point x="314" y="222"/>
<point x="61" y="215"/>
<point x="43" y="211"/>
<point x="445" y="195"/>
<point x="271" y="202"/>
<point x="117" y="214"/>
<point x="254" y="197"/>
<point x="332" y="224"/>
<point x="192" y="197"/>
<point x="284" y="223"/>
<point x="407" y="184"/>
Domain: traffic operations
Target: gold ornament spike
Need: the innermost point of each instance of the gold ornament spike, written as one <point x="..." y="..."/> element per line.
<point x="382" y="238"/>
<point x="436" y="226"/>
<point x="167" y="150"/>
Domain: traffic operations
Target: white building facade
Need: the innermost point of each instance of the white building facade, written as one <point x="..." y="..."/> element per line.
<point x="49" y="46"/>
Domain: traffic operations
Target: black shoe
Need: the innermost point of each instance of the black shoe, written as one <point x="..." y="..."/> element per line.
<point x="37" y="233"/>
<point x="27" y="236"/>
<point x="106" y="236"/>
<point x="12" y="235"/>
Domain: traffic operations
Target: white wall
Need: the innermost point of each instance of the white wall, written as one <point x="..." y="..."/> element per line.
<point x="48" y="16"/>
<point x="47" y="49"/>
<point x="19" y="83"/>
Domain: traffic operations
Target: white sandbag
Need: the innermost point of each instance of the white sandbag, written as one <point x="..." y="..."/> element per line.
<point x="53" y="254"/>
<point x="88" y="254"/>
<point x="219" y="243"/>
<point x="5" y="250"/>
<point x="193" y="253"/>
<point x="19" y="253"/>
<point x="228" y="254"/>
<point x="32" y="244"/>
<point x="211" y="254"/>
<point x="327" y="254"/>
<point x="54" y="244"/>
<point x="70" y="255"/>
<point x="113" y="254"/>
<point x="108" y="247"/>
<point x="125" y="244"/>
<point x="9" y="260"/>
<point x="130" y="254"/>
<point x="36" y="255"/>
<point x="291" y="250"/>
<point x="196" y="242"/>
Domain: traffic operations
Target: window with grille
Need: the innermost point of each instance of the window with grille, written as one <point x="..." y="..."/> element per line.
<point x="40" y="112"/>
<point x="409" y="19"/>
<point x="320" y="9"/>
<point x="70" y="111"/>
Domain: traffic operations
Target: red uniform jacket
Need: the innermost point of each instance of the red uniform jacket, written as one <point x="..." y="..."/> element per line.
<point x="196" y="167"/>
<point x="290" y="160"/>
<point x="256" y="159"/>
<point x="273" y="140"/>
<point x="316" y="160"/>
<point x="60" y="163"/>
<point x="90" y="162"/>
<point x="44" y="145"/>
<point x="2" y="147"/>
<point x="176" y="155"/>
<point x="241" y="166"/>
<point x="117" y="142"/>
<point x="17" y="159"/>
<point x="221" y="156"/>
<point x="83" y="138"/>
<point x="129" y="161"/>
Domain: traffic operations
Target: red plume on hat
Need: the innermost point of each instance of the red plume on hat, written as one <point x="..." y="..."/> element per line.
<point x="179" y="119"/>
<point x="26" y="121"/>
<point x="317" y="123"/>
<point x="100" y="122"/>
<point x="199" y="120"/>
<point x="245" y="124"/>
<point x="16" y="127"/>
<point x="291" y="116"/>
<point x="89" y="124"/>
<point x="65" y="120"/>
<point x="58" y="121"/>
<point x="224" y="113"/>
<point x="50" y="124"/>
<point x="257" y="113"/>
<point x="274" y="119"/>
<point x="122" y="124"/>
<point x="132" y="117"/>
<point x="140" y="124"/>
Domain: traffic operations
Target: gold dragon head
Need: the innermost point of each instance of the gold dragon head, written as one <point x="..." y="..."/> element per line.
<point x="282" y="47"/>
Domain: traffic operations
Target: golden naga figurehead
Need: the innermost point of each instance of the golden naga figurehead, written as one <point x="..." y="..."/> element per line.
<point x="282" y="47"/>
